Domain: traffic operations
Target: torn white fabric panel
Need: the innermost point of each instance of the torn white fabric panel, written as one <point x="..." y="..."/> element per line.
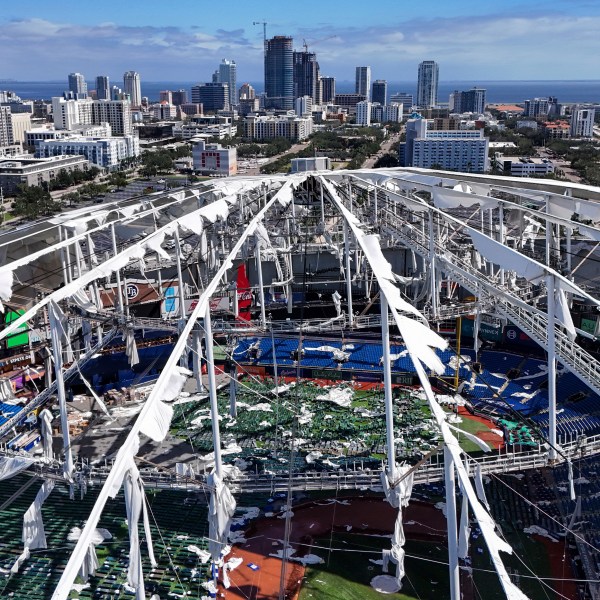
<point x="156" y="422"/>
<point x="153" y="243"/>
<point x="563" y="314"/>
<point x="571" y="482"/>
<point x="193" y="222"/>
<point x="479" y="486"/>
<point x="398" y="557"/>
<point x="337" y="302"/>
<point x="226" y="582"/>
<point x="219" y="209"/>
<point x="171" y="388"/>
<point x="129" y="211"/>
<point x="20" y="560"/>
<point x="465" y="530"/>
<point x="123" y="463"/>
<point x="58" y="321"/>
<point x="220" y="514"/>
<point x="6" y="283"/>
<point x="46" y="431"/>
<point x="420" y="339"/>
<point x="147" y="530"/>
<point x="11" y="465"/>
<point x="133" y="504"/>
<point x="451" y="198"/>
<point x="89" y="564"/>
<point x="131" y="350"/>
<point x="34" y="535"/>
<point x="506" y="257"/>
<point x="81" y="299"/>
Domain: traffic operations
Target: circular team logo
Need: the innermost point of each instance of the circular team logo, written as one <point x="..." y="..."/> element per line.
<point x="511" y="334"/>
<point x="132" y="291"/>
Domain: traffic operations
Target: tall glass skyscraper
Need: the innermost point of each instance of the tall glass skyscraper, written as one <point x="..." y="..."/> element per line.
<point x="132" y="85"/>
<point x="228" y="74"/>
<point x="379" y="92"/>
<point x="363" y="82"/>
<point x="427" y="84"/>
<point x="77" y="85"/>
<point x="306" y="75"/>
<point x="102" y="87"/>
<point x="279" y="73"/>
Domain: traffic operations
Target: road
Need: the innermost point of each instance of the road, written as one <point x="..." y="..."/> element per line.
<point x="389" y="145"/>
<point x="256" y="170"/>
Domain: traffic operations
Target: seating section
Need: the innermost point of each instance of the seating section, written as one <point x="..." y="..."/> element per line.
<point x="362" y="356"/>
<point x="180" y="571"/>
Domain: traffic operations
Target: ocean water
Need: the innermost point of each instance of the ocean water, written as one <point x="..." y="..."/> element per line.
<point x="497" y="91"/>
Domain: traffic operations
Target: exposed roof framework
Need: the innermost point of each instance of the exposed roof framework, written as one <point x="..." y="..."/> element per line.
<point x="482" y="235"/>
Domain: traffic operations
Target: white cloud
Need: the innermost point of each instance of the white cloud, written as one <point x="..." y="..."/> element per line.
<point x="492" y="47"/>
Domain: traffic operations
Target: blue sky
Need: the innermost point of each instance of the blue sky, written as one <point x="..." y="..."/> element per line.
<point x="184" y="40"/>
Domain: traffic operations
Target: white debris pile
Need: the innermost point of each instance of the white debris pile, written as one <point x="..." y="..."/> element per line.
<point x="305" y="415"/>
<point x="262" y="406"/>
<point x="385" y="584"/>
<point x="203" y="555"/>
<point x="282" y="389"/>
<point x="537" y="530"/>
<point x="311" y="457"/>
<point x="340" y="396"/>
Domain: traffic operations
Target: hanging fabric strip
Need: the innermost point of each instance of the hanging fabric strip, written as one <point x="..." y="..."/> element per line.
<point x="147" y="530"/>
<point x="34" y="535"/>
<point x="465" y="530"/>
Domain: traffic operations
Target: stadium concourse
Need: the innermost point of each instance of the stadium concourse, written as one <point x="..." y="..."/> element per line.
<point x="447" y="292"/>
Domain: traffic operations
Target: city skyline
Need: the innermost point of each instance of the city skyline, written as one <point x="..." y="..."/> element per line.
<point x="45" y="42"/>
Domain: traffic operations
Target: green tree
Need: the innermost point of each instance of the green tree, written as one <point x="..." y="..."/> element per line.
<point x="386" y="161"/>
<point x="33" y="202"/>
<point x="117" y="179"/>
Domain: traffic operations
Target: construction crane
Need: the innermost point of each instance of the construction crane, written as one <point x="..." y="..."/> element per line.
<point x="264" y="24"/>
<point x="305" y="44"/>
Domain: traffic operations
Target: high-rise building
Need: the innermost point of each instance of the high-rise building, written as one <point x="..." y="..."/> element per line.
<point x="247" y="92"/>
<point x="363" y="113"/>
<point x="165" y="96"/>
<point x="455" y="150"/>
<point x="303" y="106"/>
<point x="392" y="113"/>
<point x="279" y="73"/>
<point x="407" y="100"/>
<point x="179" y="97"/>
<point x="363" y="82"/>
<point x="427" y="84"/>
<point x="538" y="107"/>
<point x="77" y="85"/>
<point x="6" y="130"/>
<point x="102" y="87"/>
<point x="227" y="73"/>
<point x="115" y="112"/>
<point x="306" y="75"/>
<point x="212" y="96"/>
<point x="582" y="122"/>
<point x="71" y="114"/>
<point x="471" y="101"/>
<point x="327" y="89"/>
<point x="379" y="92"/>
<point x="132" y="85"/>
